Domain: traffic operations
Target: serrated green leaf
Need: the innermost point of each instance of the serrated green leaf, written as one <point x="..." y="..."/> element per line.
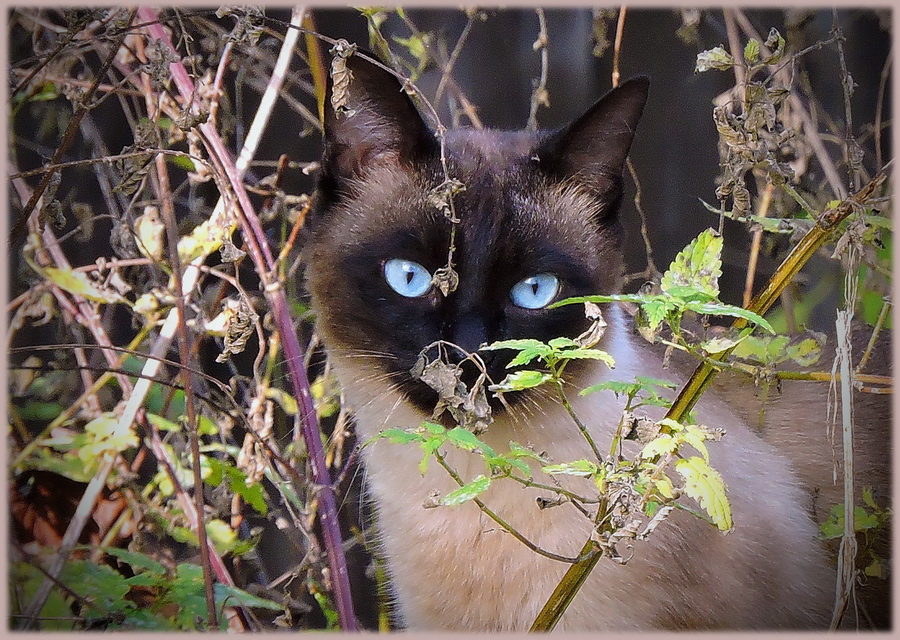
<point x="705" y="485"/>
<point x="587" y="354"/>
<point x="434" y="428"/>
<point x="619" y="297"/>
<point x="697" y="266"/>
<point x="465" y="439"/>
<point x="563" y="343"/>
<point x="466" y="492"/>
<point x="528" y="349"/>
<point x="656" y="310"/>
<point x="252" y="494"/>
<point x="659" y="446"/>
<point x="719" y="309"/>
<point x="695" y="437"/>
<point x="751" y="51"/>
<point x="664" y="486"/>
<point x="617" y="387"/>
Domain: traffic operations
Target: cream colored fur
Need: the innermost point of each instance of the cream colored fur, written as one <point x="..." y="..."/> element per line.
<point x="453" y="568"/>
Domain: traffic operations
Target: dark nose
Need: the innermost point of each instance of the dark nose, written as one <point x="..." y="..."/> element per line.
<point x="469" y="332"/>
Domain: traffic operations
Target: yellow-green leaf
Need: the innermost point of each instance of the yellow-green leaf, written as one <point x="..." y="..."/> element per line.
<point x="660" y="446"/>
<point x="77" y="282"/>
<point x="705" y="485"/>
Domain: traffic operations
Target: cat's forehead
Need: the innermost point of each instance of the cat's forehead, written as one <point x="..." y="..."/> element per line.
<point x="479" y="150"/>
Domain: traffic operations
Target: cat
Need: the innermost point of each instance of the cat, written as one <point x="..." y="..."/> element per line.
<point x="537" y="223"/>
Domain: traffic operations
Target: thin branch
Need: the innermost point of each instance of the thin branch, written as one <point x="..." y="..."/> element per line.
<point x="18" y="230"/>
<point x="539" y="95"/>
<point x="262" y="258"/>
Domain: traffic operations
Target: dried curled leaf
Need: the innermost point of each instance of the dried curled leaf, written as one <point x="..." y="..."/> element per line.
<point x="240" y="319"/>
<point x="715" y="58"/>
<point x="341" y="77"/>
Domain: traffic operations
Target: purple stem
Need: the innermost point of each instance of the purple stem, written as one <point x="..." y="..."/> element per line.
<point x="263" y="261"/>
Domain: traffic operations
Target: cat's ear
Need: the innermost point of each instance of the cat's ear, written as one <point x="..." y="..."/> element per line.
<point x="374" y="121"/>
<point x="592" y="150"/>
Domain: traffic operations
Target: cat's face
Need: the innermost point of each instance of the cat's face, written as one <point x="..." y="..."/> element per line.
<point x="536" y="224"/>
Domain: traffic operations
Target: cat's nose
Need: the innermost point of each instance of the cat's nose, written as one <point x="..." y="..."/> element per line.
<point x="469" y="332"/>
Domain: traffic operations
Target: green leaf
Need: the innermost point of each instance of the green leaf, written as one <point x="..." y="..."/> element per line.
<point x="659" y="446"/>
<point x="616" y="386"/>
<point x="252" y="494"/>
<point x="520" y="380"/>
<point x="656" y="310"/>
<point x="434" y="428"/>
<point x="139" y="562"/>
<point x="398" y="436"/>
<point x="78" y="283"/>
<point x="465" y="439"/>
<point x="719" y="309"/>
<point x="751" y="51"/>
<point x="697" y="266"/>
<point x="620" y="297"/>
<point x="715" y="58"/>
<point x="587" y="354"/>
<point x="528" y="349"/>
<point x="705" y="485"/>
<point x="466" y="492"/>
<point x="104" y="587"/>
<point x="579" y="468"/>
<point x="695" y="437"/>
<point x="665" y="487"/>
<point x="229" y="596"/>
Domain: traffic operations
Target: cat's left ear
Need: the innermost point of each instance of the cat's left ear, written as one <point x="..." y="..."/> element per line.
<point x="370" y="121"/>
<point x="592" y="150"/>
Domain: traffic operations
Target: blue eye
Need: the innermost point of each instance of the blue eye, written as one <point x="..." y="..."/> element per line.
<point x="408" y="278"/>
<point x="535" y="292"/>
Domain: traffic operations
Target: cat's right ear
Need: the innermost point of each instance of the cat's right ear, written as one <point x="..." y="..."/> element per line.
<point x="371" y="122"/>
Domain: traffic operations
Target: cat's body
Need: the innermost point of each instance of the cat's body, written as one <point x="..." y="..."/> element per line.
<point x="533" y="205"/>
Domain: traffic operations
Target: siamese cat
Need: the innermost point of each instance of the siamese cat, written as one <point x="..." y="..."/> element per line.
<point x="537" y="223"/>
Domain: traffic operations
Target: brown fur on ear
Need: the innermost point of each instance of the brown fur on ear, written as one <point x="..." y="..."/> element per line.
<point x="592" y="150"/>
<point x="378" y="123"/>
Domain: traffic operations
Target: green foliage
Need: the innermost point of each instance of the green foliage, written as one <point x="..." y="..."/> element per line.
<point x="689" y="284"/>
<point x="869" y="520"/>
